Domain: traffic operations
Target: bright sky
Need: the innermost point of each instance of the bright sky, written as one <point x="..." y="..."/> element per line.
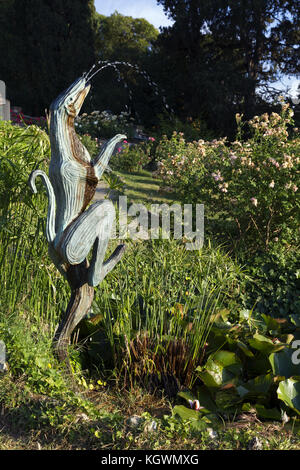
<point x="148" y="9"/>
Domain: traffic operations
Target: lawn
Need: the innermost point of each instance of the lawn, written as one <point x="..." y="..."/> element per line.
<point x="141" y="187"/>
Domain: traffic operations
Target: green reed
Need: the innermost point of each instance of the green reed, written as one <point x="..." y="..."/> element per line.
<point x="162" y="291"/>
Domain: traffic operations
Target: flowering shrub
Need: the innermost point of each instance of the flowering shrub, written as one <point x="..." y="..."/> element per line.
<point x="252" y="182"/>
<point x="132" y="157"/>
<point x="105" y="124"/>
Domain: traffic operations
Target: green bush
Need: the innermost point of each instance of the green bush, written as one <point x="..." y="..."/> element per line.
<point x="91" y="144"/>
<point x="275" y="289"/>
<point x="33" y="294"/>
<point x="22" y="149"/>
<point x="193" y="129"/>
<point x="249" y="368"/>
<point x="132" y="158"/>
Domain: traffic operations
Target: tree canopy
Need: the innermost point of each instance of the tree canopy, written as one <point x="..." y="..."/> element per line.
<point x="226" y="49"/>
<point x="217" y="58"/>
<point x="45" y="45"/>
<point x="124" y="39"/>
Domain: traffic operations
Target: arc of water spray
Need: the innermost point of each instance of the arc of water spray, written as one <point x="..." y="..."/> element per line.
<point x="105" y="64"/>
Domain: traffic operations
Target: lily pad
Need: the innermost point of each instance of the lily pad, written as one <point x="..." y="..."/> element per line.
<point x="244" y="348"/>
<point x="227" y="400"/>
<point x="259" y="365"/>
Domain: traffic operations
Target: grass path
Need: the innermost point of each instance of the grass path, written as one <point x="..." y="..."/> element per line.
<point x="143" y="188"/>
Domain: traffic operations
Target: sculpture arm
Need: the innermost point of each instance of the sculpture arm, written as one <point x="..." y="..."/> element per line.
<point x="101" y="161"/>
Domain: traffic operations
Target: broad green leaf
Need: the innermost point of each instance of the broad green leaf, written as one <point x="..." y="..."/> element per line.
<point x="190" y="415"/>
<point x="258" y="365"/>
<point x="235" y="344"/>
<point x="271" y="323"/>
<point x="282" y="363"/>
<point x="287" y="338"/>
<point x="244" y="348"/>
<point x="267" y="413"/>
<point x="265" y="345"/>
<point x="289" y="392"/>
<point x="258" y="387"/>
<point x="227" y="400"/>
<point x="222" y="367"/>
<point x="204" y="398"/>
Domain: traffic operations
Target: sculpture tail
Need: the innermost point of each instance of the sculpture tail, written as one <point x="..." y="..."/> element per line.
<point x="50" y="226"/>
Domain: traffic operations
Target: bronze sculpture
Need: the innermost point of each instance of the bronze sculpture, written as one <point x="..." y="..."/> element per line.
<point x="73" y="229"/>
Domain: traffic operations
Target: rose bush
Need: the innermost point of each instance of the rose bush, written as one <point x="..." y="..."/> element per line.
<point x="251" y="182"/>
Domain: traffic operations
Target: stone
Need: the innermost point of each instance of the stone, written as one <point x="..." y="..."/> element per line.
<point x="134" y="421"/>
<point x="212" y="434"/>
<point x="151" y="426"/>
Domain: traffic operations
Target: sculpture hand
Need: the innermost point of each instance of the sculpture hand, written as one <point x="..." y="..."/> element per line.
<point x="101" y="161"/>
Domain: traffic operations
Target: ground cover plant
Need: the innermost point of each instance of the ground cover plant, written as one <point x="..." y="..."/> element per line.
<point x="167" y="330"/>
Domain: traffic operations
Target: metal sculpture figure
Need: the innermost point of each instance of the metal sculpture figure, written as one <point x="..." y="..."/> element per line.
<point x="73" y="229"/>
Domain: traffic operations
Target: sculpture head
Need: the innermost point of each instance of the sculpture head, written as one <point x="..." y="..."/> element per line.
<point x="71" y="100"/>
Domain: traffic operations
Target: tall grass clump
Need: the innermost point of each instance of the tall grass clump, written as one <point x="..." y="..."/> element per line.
<point x="153" y="313"/>
<point x="32" y="293"/>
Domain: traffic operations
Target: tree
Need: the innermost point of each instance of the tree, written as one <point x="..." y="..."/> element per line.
<point x="50" y="44"/>
<point x="124" y="39"/>
<point x="229" y="48"/>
